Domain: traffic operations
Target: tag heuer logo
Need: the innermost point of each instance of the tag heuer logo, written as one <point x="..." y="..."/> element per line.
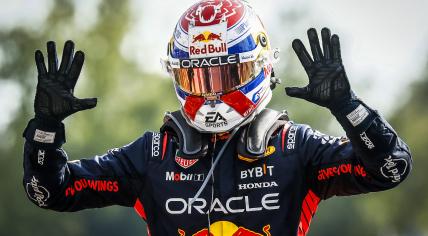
<point x="185" y="163"/>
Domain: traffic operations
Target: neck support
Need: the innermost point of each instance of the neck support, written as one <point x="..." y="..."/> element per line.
<point x="252" y="142"/>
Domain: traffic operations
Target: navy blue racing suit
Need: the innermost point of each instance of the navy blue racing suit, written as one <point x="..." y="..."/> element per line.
<point x="277" y="195"/>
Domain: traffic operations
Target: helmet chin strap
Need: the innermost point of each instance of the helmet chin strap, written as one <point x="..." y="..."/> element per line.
<point x="217" y="159"/>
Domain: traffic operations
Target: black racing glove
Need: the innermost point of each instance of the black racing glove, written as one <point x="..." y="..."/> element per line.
<point x="328" y="84"/>
<point x="54" y="96"/>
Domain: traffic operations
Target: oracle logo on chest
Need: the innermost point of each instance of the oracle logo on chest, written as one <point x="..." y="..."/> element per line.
<point x="238" y="204"/>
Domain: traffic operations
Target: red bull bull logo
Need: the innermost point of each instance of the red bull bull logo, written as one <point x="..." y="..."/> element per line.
<point x="226" y="228"/>
<point x="206" y="37"/>
<point x="198" y="38"/>
<point x="213" y="36"/>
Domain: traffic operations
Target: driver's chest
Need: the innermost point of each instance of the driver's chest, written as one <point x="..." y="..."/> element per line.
<point x="239" y="192"/>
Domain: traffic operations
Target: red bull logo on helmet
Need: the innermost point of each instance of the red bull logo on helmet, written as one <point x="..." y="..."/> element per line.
<point x="226" y="228"/>
<point x="208" y="41"/>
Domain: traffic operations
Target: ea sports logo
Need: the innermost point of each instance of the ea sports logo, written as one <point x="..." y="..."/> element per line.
<point x="215" y="120"/>
<point x="213" y="117"/>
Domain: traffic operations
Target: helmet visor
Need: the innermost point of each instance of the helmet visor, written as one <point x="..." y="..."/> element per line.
<point x="215" y="79"/>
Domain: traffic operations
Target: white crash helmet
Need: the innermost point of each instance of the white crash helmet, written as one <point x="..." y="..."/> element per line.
<point x="221" y="63"/>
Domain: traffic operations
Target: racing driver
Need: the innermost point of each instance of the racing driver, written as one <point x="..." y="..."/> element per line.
<point x="223" y="164"/>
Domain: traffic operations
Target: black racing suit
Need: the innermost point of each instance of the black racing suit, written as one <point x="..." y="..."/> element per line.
<point x="277" y="195"/>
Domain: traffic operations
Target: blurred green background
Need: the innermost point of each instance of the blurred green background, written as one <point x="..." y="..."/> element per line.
<point x="122" y="47"/>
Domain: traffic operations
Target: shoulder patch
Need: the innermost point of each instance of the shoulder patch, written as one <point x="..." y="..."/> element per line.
<point x="289" y="137"/>
<point x="158" y="145"/>
<point x="283" y="132"/>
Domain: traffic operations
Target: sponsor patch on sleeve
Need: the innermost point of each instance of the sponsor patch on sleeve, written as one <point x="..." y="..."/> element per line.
<point x="358" y="115"/>
<point x="156" y="145"/>
<point x="291" y="137"/>
<point x="44" y="137"/>
<point x="111" y="186"/>
<point x="341" y="169"/>
<point x="41" y="157"/>
<point x="394" y="169"/>
<point x="37" y="192"/>
<point x="366" y="140"/>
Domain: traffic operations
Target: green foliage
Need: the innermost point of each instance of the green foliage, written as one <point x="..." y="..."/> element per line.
<point x="412" y="122"/>
<point x="104" y="77"/>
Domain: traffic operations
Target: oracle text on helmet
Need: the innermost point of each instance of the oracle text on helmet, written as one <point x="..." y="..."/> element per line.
<point x="209" y="62"/>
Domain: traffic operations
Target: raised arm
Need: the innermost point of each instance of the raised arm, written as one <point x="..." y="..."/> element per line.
<point x="52" y="182"/>
<point x="372" y="157"/>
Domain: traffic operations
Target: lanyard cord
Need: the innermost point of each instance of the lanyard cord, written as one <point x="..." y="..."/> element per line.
<point x="210" y="173"/>
<point x="212" y="189"/>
